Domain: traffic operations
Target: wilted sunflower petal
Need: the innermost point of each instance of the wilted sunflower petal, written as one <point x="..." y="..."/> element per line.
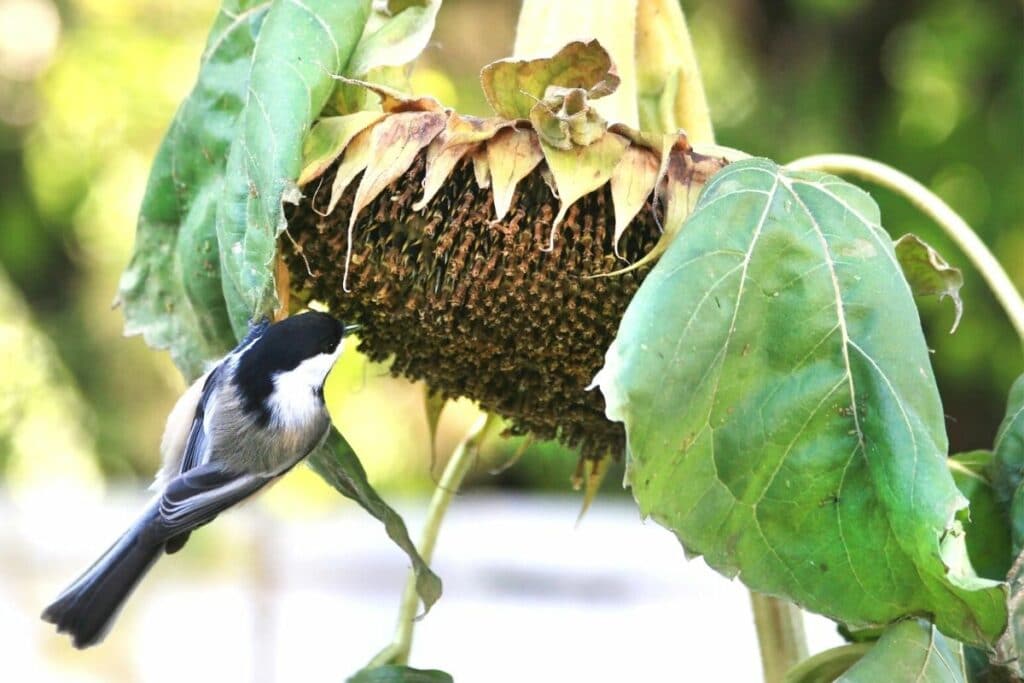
<point x="686" y="173"/>
<point x="394" y="101"/>
<point x="581" y="170"/>
<point x="328" y="139"/>
<point x="357" y="156"/>
<point x="481" y="169"/>
<point x="511" y="156"/>
<point x="394" y="144"/>
<point x="459" y="137"/>
<point x="633" y="180"/>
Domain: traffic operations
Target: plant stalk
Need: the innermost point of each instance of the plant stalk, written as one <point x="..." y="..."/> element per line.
<point x="939" y="211"/>
<point x="451" y="479"/>
<point x="780" y="635"/>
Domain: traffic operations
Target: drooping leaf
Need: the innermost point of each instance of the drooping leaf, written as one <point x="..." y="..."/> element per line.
<point x="393" y="673"/>
<point x="827" y="666"/>
<point x="988" y="529"/>
<point x="171" y="289"/>
<point x="581" y="170"/>
<point x="911" y="651"/>
<point x="511" y="156"/>
<point x="328" y="139"/>
<point x="512" y="87"/>
<point x="395" y="34"/>
<point x="928" y="273"/>
<point x="1008" y="452"/>
<point x="338" y="465"/>
<point x="301" y="45"/>
<point x="780" y="409"/>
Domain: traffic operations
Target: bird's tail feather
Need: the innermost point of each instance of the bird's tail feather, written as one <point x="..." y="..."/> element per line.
<point x="86" y="609"/>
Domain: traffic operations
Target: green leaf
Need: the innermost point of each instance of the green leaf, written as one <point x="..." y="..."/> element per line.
<point x="826" y="666"/>
<point x="1008" y="452"/>
<point x="391" y="673"/>
<point x="928" y="273"/>
<point x="781" y="412"/>
<point x="395" y="36"/>
<point x="512" y="87"/>
<point x="911" y="651"/>
<point x="301" y="46"/>
<point x="171" y="289"/>
<point x="338" y="465"/>
<point x="988" y="531"/>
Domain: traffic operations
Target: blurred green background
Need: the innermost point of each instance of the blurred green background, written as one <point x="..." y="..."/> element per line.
<point x="87" y="88"/>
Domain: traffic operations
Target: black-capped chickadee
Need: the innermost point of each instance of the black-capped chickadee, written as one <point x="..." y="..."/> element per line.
<point x="241" y="426"/>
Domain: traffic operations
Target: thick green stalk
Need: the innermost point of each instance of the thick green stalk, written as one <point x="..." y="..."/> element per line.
<point x="939" y="211"/>
<point x="780" y="635"/>
<point x="451" y="479"/>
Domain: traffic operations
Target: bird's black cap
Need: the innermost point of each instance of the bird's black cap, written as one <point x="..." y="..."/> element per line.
<point x="280" y="348"/>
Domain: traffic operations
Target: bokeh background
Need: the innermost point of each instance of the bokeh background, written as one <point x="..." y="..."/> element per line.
<point x="87" y="88"/>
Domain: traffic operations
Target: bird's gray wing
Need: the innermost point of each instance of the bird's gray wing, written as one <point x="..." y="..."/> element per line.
<point x="195" y="447"/>
<point x="196" y="497"/>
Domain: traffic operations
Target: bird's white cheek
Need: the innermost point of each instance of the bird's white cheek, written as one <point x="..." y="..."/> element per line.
<point x="295" y="399"/>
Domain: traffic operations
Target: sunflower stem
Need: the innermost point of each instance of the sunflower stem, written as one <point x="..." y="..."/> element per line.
<point x="780" y="635"/>
<point x="451" y="479"/>
<point x="928" y="202"/>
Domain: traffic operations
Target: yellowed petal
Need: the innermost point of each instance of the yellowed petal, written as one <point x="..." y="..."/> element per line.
<point x="589" y="475"/>
<point x="394" y="144"/>
<point x="581" y="170"/>
<point x="357" y="155"/>
<point x="481" y="169"/>
<point x="394" y="101"/>
<point x="633" y="180"/>
<point x="441" y="161"/>
<point x="686" y="174"/>
<point x="328" y="139"/>
<point x="459" y="137"/>
<point x="511" y="156"/>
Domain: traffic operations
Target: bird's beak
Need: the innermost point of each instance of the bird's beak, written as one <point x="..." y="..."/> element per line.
<point x="352" y="328"/>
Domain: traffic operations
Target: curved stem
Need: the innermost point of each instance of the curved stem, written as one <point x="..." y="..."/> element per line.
<point x="451" y="479"/>
<point x="780" y="635"/>
<point x="926" y="200"/>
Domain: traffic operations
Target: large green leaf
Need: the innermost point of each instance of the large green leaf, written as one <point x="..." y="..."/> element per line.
<point x="301" y="46"/>
<point x="911" y="651"/>
<point x="781" y="412"/>
<point x="171" y="289"/>
<point x="337" y="463"/>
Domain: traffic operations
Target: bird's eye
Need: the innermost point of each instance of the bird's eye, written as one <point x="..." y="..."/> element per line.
<point x="328" y="346"/>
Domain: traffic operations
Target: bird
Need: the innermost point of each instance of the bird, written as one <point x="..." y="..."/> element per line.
<point x="239" y="428"/>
